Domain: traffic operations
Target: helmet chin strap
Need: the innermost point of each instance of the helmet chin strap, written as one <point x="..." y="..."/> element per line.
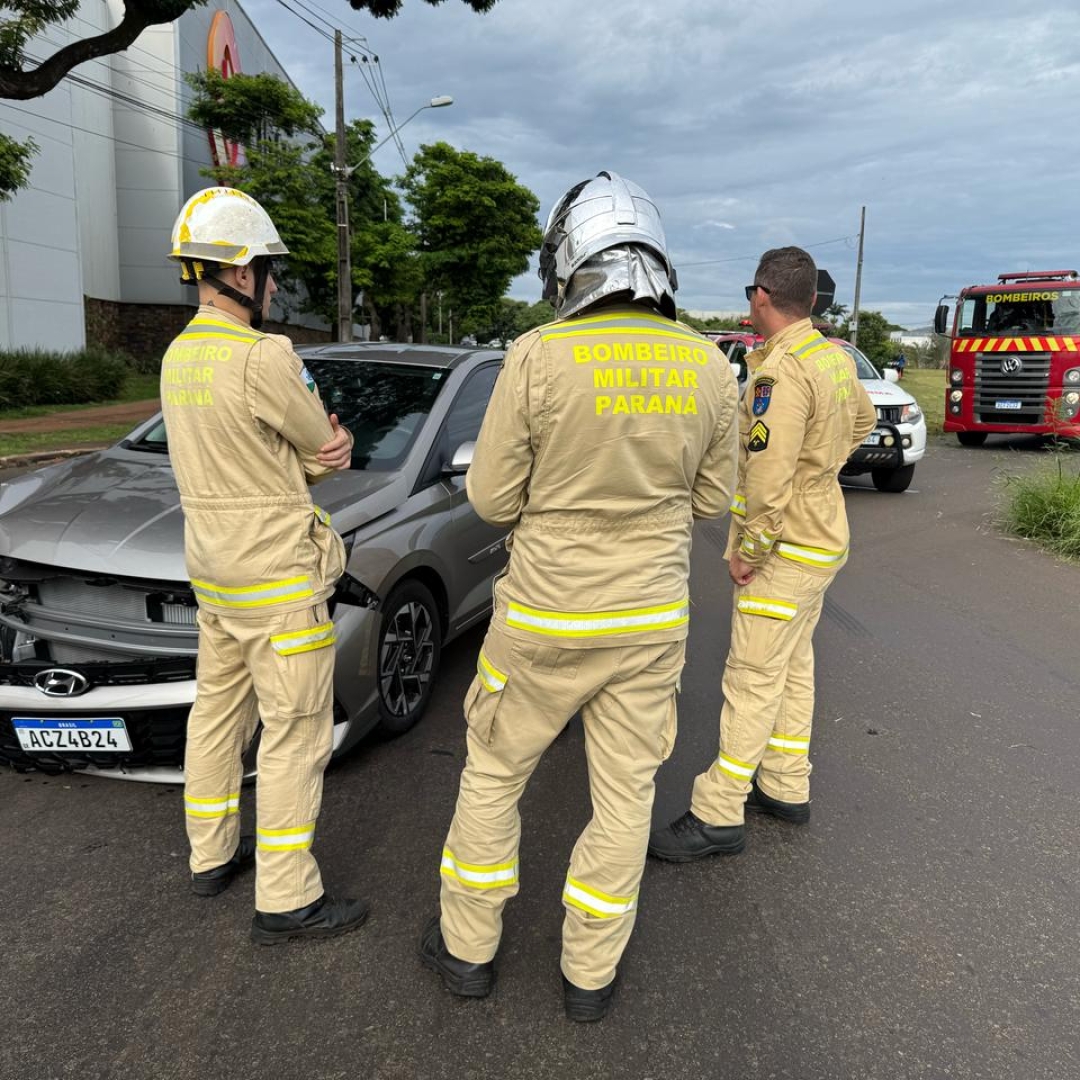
<point x="253" y="303"/>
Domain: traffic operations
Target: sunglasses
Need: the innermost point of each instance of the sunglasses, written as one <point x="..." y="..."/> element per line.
<point x="750" y="291"/>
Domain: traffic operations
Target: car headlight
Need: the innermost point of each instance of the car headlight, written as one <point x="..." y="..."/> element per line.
<point x="956" y="376"/>
<point x="956" y="395"/>
<point x="1072" y="398"/>
<point x="1072" y="376"/>
<point x="910" y="413"/>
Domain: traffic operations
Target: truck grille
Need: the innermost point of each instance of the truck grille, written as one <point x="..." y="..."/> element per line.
<point x="889" y="414"/>
<point x="1028" y="387"/>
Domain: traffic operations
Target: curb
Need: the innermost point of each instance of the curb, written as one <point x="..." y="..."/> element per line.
<point x="39" y="456"/>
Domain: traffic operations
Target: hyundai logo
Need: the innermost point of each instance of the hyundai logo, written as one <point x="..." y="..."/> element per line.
<point x="59" y="682"/>
<point x="1011" y="365"/>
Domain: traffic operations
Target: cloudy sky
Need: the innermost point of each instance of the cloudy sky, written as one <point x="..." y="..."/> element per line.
<point x="752" y="124"/>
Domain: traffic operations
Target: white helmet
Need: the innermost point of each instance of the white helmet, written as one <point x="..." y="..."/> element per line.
<point x="592" y="217"/>
<point x="224" y="226"/>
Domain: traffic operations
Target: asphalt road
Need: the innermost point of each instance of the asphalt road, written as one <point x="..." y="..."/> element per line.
<point x="922" y="926"/>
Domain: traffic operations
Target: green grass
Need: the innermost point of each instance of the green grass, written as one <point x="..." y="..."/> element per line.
<point x="1044" y="506"/>
<point x="136" y="388"/>
<point x="927" y="387"/>
<point x="30" y="442"/>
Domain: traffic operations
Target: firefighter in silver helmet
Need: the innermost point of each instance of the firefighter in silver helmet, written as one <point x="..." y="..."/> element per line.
<point x="247" y="433"/>
<point x="609" y="431"/>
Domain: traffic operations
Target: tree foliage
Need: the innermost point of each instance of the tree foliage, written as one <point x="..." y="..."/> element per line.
<point x="475" y="224"/>
<point x="14" y="164"/>
<point x="874" y="340"/>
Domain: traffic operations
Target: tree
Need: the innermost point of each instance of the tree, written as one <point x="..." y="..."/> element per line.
<point x="836" y="313"/>
<point x="476" y="227"/>
<point x="874" y="330"/>
<point x="23" y="20"/>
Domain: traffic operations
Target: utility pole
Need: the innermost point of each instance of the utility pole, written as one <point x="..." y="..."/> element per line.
<point x="341" y="174"/>
<point x="858" y="282"/>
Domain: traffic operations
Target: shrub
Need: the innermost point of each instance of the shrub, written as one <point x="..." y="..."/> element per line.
<point x="1045" y="507"/>
<point x="39" y="377"/>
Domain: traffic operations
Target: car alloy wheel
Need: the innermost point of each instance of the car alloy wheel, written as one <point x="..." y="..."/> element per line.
<point x="410" y="646"/>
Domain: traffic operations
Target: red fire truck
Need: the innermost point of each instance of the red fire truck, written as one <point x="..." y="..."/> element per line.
<point x="1014" y="360"/>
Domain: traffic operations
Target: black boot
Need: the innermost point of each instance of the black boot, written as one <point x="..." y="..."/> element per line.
<point x="324" y="918"/>
<point x="458" y="976"/>
<point x="585" y="1006"/>
<point x="688" y="838"/>
<point x="797" y="813"/>
<point x="211" y="882"/>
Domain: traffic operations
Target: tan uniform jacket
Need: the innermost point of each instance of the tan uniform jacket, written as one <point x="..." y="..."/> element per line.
<point x="605" y="436"/>
<point x="245" y="424"/>
<point x="803" y="413"/>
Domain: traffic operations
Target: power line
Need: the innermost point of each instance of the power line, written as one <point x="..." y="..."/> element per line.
<point x="751" y="258"/>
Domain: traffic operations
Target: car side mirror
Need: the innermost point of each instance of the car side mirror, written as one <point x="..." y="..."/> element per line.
<point x="891" y="375"/>
<point x="462" y="459"/>
<point x="941" y="319"/>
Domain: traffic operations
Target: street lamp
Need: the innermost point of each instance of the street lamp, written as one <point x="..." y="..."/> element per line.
<point x="343" y="172"/>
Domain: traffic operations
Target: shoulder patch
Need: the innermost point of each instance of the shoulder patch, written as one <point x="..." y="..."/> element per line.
<point x="309" y="382"/>
<point x="759" y="438"/>
<point x="763" y="386"/>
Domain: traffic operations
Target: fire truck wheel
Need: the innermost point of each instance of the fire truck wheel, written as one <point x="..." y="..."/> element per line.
<point x="893" y="480"/>
<point x="971" y="438"/>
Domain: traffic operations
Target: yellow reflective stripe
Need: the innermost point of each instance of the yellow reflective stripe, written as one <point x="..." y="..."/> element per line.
<point x="597" y="623"/>
<point x="274" y="592"/>
<point x="222" y="324"/>
<point x="479" y="876"/>
<point x="321" y="514"/>
<point x="1070" y="344"/>
<point x="1051" y="344"/>
<point x="615" y="330"/>
<point x="790" y="744"/>
<point x="770" y="608"/>
<point x="218" y="806"/>
<point x="809" y="555"/>
<point x="492" y="678"/>
<point x="217" y="336"/>
<point x="804" y="353"/>
<point x="316" y="637"/>
<point x="738" y="505"/>
<point x="602" y="905"/>
<point x="294" y="839"/>
<point x="637" y="316"/>
<point x="741" y="770"/>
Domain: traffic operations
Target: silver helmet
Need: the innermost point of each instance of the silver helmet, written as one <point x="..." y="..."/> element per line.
<point x="603" y="237"/>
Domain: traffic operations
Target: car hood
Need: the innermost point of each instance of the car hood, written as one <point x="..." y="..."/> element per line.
<point x="886" y="393"/>
<point x="118" y="513"/>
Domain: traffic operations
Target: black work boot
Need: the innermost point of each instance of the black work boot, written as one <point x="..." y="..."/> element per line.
<point x="324" y="918"/>
<point x="458" y="976"/>
<point x="688" y="838"/>
<point x="797" y="813"/>
<point x="585" y="1006"/>
<point x="211" y="882"/>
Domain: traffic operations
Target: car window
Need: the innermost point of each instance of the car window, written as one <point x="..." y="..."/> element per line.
<point x="863" y="368"/>
<point x="467" y="413"/>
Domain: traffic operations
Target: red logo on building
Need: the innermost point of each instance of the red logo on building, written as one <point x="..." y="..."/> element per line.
<point x="223" y="55"/>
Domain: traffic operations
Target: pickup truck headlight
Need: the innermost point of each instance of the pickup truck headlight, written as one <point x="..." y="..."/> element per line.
<point x="909" y="414"/>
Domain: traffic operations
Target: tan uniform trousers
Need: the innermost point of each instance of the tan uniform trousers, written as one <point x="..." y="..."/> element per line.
<point x="768" y="685"/>
<point x="521" y="699"/>
<point x="280" y="669"/>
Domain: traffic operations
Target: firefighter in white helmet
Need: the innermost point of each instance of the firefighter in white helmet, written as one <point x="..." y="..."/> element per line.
<point x="608" y="432"/>
<point x="247" y="434"/>
<point x="803" y="413"/>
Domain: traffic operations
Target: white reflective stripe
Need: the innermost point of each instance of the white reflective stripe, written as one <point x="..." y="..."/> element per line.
<point x="218" y="806"/>
<point x="316" y="637"/>
<point x="254" y="595"/>
<point x="772" y="609"/>
<point x="478" y="876"/>
<point x="817" y="556"/>
<point x="734" y="767"/>
<point x="286" y="839"/>
<point x="790" y="744"/>
<point x="738" y="505"/>
<point x="492" y="678"/>
<point x="582" y="624"/>
<point x="595" y="902"/>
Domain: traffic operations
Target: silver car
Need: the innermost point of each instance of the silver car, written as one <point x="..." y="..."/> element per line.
<point x="97" y="619"/>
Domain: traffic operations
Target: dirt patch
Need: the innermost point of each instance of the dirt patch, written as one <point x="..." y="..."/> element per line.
<point x="130" y="412"/>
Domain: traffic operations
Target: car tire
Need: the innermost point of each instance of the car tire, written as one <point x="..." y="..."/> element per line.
<point x="893" y="480"/>
<point x="410" y="647"/>
<point x="971" y="438"/>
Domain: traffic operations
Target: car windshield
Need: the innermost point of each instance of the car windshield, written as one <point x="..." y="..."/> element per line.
<point x="863" y="368"/>
<point x="1012" y="311"/>
<point x="384" y="405"/>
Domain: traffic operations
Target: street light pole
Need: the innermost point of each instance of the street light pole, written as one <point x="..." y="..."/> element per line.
<point x="342" y="172"/>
